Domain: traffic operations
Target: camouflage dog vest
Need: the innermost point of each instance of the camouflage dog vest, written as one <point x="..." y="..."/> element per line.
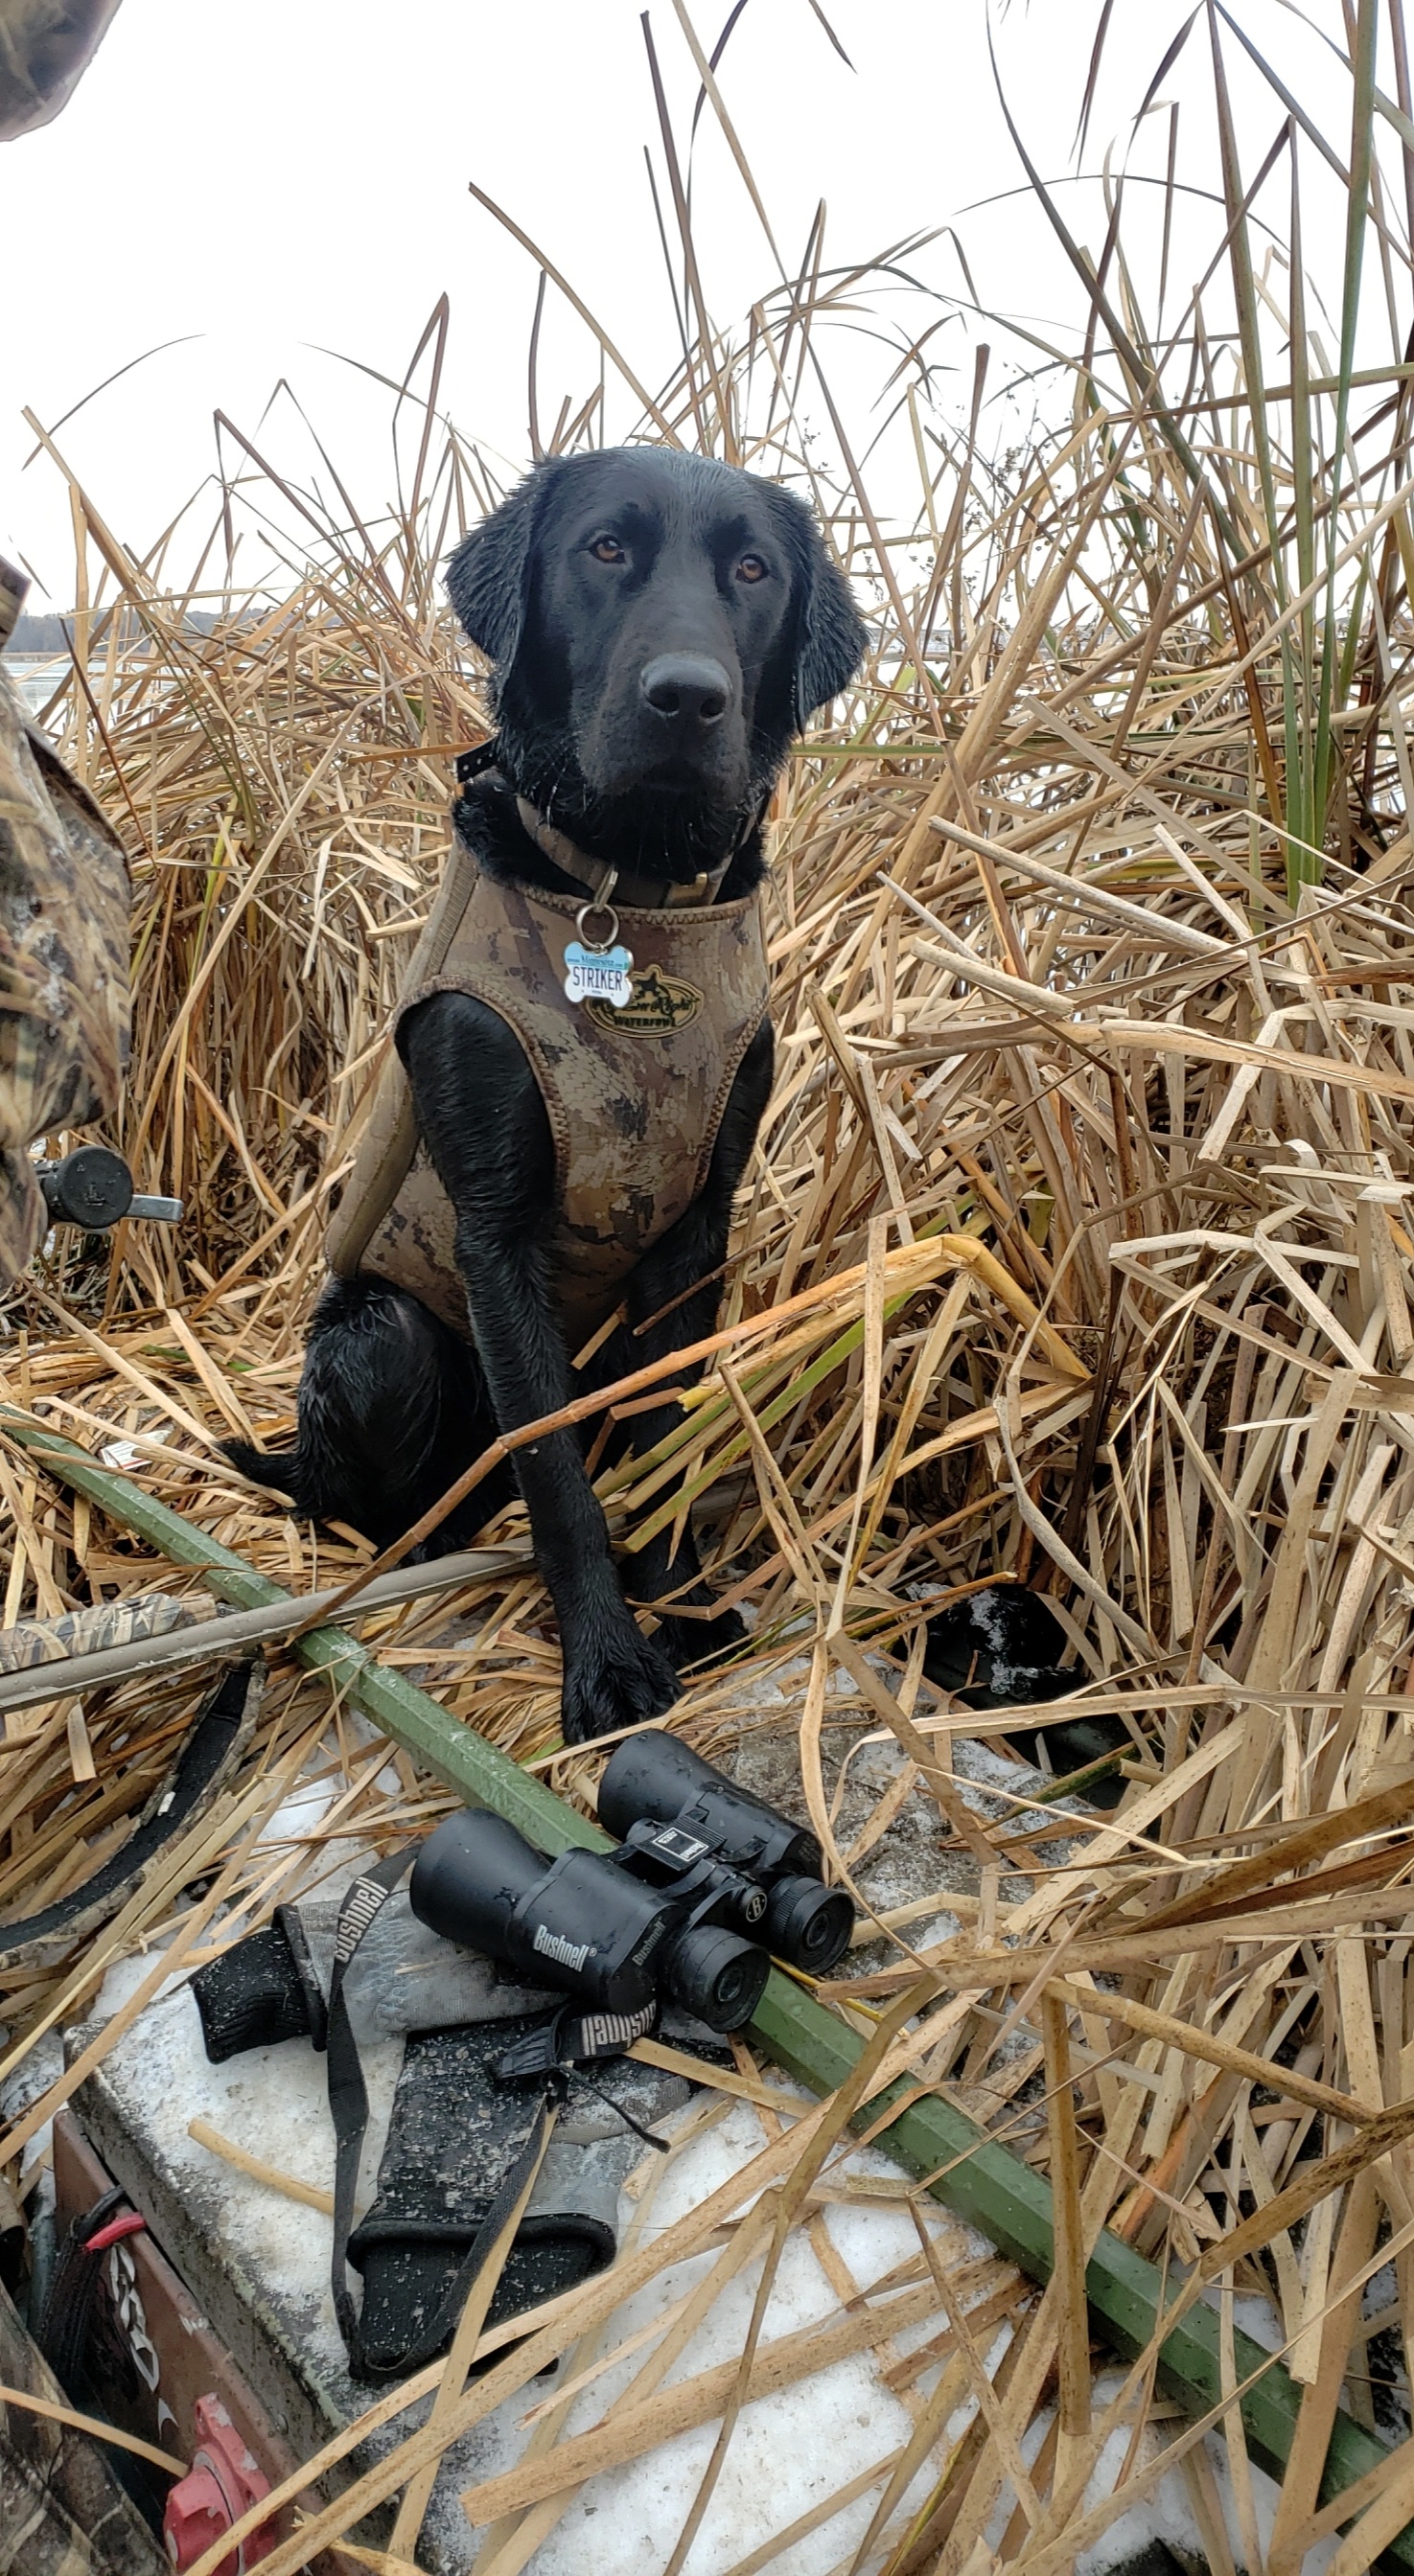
<point x="634" y="1094"/>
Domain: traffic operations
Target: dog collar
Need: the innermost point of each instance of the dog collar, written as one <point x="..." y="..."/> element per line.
<point x="598" y="878"/>
<point x="642" y="894"/>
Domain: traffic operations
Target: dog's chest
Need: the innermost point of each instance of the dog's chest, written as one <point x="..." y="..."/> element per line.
<point x="634" y="1092"/>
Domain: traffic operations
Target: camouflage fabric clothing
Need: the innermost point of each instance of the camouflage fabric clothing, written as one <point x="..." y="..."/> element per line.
<point x="64" y="1008"/>
<point x="45" y="46"/>
<point x="62" y="2511"/>
<point x="634" y="1095"/>
<point x="102" y="1624"/>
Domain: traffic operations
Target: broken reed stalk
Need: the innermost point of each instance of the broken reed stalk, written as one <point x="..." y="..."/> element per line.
<point x="1134" y="1023"/>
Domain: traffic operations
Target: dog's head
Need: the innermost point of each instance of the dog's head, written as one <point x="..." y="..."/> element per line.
<point x="660" y="625"/>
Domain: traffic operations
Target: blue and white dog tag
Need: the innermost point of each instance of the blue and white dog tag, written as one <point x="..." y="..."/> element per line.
<point x="598" y="974"/>
<point x="598" y="970"/>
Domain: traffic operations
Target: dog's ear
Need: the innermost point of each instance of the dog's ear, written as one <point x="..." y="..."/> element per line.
<point x="830" y="634"/>
<point x="488" y="577"/>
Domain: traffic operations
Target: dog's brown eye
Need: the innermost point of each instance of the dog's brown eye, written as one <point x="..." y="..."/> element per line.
<point x="751" y="568"/>
<point x="607" y="550"/>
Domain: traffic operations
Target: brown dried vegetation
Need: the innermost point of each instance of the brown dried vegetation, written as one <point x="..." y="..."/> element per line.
<point x="1090" y="1182"/>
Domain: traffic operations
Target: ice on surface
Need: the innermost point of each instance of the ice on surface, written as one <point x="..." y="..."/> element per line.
<point x="1166" y="2513"/>
<point x="790" y="2451"/>
<point x="41" y="2066"/>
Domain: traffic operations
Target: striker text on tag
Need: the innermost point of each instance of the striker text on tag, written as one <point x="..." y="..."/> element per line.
<point x="598" y="974"/>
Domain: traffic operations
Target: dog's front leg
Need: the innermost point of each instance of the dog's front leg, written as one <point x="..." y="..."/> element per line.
<point x="673" y="1300"/>
<point x="483" y="1120"/>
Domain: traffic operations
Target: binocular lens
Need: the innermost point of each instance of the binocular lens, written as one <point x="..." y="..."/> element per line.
<point x="716" y="1976"/>
<point x="808" y="1924"/>
<point x="651" y="1774"/>
<point x="470" y="1876"/>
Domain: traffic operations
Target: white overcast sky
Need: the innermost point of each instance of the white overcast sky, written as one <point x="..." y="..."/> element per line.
<point x="278" y="178"/>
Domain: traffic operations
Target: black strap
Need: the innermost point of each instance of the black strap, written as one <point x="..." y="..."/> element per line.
<point x="572" y="2039"/>
<point x="201" y="1762"/>
<point x="568" y="2037"/>
<point x="64" y="2327"/>
<point x="348" y="2094"/>
<point x="316" y="2008"/>
<point x="475" y="763"/>
<point x="348" y="2109"/>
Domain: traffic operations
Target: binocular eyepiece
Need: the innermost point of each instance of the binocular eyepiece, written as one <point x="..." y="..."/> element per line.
<point x="653" y="1779"/>
<point x="704" y="1875"/>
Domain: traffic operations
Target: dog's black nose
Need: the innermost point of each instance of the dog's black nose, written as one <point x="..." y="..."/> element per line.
<point x="686" y="689"/>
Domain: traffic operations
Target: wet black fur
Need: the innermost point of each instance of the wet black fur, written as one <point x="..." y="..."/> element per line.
<point x="392" y="1405"/>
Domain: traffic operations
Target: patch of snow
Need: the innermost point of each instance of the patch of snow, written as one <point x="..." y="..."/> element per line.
<point x="41" y="2066"/>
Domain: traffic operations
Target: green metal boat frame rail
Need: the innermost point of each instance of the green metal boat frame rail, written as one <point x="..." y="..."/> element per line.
<point x="979" y="2180"/>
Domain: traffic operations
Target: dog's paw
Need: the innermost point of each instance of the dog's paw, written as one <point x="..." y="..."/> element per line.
<point x="622" y="1680"/>
<point x="699" y="1641"/>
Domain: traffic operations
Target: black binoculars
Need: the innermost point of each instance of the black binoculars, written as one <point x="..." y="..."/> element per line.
<point x="701" y="1864"/>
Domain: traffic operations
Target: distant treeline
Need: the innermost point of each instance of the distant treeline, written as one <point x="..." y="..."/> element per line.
<point x="51" y="634"/>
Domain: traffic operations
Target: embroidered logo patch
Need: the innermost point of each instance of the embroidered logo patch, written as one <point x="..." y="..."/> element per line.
<point x="658" y="1005"/>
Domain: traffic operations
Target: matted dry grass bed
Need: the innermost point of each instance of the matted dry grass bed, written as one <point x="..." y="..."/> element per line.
<point x="1079" y="1250"/>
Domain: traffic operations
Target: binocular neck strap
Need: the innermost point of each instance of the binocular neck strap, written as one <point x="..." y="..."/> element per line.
<point x="348" y="2093"/>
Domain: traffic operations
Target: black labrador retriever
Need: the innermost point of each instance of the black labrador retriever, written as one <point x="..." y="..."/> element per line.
<point x="660" y="625"/>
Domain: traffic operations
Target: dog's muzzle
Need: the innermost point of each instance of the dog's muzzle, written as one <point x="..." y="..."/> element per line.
<point x="688" y="693"/>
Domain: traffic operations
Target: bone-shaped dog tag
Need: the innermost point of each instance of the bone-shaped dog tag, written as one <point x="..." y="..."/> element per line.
<point x="598" y="974"/>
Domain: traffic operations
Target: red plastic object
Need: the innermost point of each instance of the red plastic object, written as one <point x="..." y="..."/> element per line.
<point x="222" y="2483"/>
<point x="131" y="2223"/>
